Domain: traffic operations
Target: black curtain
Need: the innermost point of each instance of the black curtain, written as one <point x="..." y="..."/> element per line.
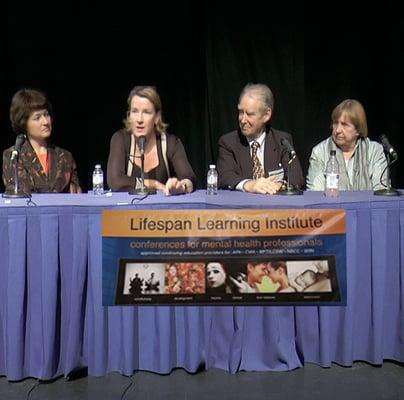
<point x="199" y="55"/>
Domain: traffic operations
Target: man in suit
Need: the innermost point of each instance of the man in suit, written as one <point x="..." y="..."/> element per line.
<point x="253" y="158"/>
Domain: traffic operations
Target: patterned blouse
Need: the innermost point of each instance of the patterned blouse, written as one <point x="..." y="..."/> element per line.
<point x="62" y="176"/>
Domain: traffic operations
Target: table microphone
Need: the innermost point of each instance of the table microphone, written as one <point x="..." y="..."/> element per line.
<point x="19" y="141"/>
<point x="142" y="144"/>
<point x="388" y="148"/>
<point x="16" y="193"/>
<point x="289" y="190"/>
<point x="285" y="142"/>
<point x="141" y="141"/>
<point x="392" y="157"/>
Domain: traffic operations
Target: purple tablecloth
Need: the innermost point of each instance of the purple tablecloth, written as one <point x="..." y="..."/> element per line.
<point x="52" y="319"/>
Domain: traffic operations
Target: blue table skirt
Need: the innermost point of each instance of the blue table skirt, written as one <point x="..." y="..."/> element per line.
<point x="52" y="319"/>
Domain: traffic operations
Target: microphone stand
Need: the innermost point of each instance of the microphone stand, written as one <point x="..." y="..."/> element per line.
<point x="143" y="190"/>
<point x="389" y="191"/>
<point x="16" y="193"/>
<point x="290" y="191"/>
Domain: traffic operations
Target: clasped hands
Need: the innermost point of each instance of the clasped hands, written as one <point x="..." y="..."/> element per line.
<point x="175" y="186"/>
<point x="270" y="185"/>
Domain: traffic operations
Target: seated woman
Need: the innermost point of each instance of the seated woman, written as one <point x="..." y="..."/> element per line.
<point x="361" y="161"/>
<point x="42" y="167"/>
<point x="166" y="166"/>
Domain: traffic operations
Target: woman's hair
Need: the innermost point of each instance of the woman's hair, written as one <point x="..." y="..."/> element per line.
<point x="262" y="91"/>
<point x="23" y="104"/>
<point x="149" y="93"/>
<point x="356" y="114"/>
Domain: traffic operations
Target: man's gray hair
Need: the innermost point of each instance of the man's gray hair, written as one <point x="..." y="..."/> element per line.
<point x="262" y="91"/>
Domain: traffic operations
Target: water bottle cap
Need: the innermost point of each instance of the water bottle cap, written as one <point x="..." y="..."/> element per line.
<point x="97" y="165"/>
<point x="212" y="166"/>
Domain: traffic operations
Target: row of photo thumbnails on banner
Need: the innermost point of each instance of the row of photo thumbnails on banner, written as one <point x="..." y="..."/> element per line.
<point x="248" y="281"/>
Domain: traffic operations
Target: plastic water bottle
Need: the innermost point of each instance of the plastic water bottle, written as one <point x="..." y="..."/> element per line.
<point x="211" y="186"/>
<point x="332" y="176"/>
<point x="98" y="180"/>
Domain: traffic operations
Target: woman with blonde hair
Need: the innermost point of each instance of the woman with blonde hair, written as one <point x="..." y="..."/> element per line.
<point x="166" y="165"/>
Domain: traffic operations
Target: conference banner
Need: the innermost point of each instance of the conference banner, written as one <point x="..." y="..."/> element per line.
<point x="224" y="257"/>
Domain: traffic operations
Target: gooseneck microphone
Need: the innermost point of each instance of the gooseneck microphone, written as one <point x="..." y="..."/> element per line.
<point x="19" y="141"/>
<point x="16" y="193"/>
<point x="392" y="157"/>
<point x="142" y="144"/>
<point x="141" y="141"/>
<point x="285" y="142"/>
<point x="388" y="148"/>
<point x="292" y="155"/>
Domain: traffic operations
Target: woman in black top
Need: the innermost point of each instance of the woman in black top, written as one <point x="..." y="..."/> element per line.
<point x="166" y="164"/>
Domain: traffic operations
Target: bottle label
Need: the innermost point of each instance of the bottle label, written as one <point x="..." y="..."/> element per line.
<point x="98" y="180"/>
<point x="332" y="181"/>
<point x="212" y="180"/>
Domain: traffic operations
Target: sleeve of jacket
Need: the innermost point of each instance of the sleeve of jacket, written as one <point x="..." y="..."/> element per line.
<point x="74" y="182"/>
<point x="117" y="179"/>
<point x="178" y="160"/>
<point x="315" y="175"/>
<point x="8" y="177"/>
<point x="228" y="168"/>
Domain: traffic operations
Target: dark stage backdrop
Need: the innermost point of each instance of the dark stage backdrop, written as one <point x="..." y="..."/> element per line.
<point x="87" y="58"/>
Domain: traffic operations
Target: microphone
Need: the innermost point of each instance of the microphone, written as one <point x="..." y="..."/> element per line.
<point x="388" y="148"/>
<point x="17" y="148"/>
<point x="142" y="144"/>
<point x="143" y="190"/>
<point x="285" y="142"/>
<point x="290" y="190"/>
<point x="392" y="157"/>
<point x="16" y="193"/>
